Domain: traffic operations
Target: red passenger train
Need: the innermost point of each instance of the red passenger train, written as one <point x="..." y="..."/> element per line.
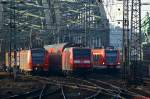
<point x="32" y="60"/>
<point x="68" y="57"/>
<point x="106" y="58"/>
<point x="112" y="58"/>
<point x="98" y="58"/>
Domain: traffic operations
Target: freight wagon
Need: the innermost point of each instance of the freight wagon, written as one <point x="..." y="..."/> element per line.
<point x="68" y="57"/>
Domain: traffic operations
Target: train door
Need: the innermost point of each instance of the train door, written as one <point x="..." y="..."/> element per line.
<point x="66" y="66"/>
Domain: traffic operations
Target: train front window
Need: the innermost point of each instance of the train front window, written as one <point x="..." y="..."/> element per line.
<point x="111" y="56"/>
<point x="37" y="56"/>
<point x="81" y="53"/>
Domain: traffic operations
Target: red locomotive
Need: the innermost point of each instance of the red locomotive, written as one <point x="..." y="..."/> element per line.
<point x="32" y="60"/>
<point x="98" y="58"/>
<point x="68" y="57"/>
<point x="106" y="58"/>
<point x="112" y="58"/>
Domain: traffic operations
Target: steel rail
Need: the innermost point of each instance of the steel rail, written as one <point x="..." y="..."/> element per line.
<point x="62" y="91"/>
<point x="121" y="91"/>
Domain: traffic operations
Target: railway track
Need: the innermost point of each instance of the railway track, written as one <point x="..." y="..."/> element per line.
<point x="97" y="86"/>
<point x="117" y="91"/>
<point x="35" y="94"/>
<point x="80" y="84"/>
<point x="100" y="89"/>
<point x="146" y="80"/>
<point x="139" y="91"/>
<point x="56" y="93"/>
<point x="92" y="89"/>
<point x="114" y="90"/>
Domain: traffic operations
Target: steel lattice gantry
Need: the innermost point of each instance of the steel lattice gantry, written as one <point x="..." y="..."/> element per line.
<point x="136" y="42"/>
<point x="132" y="51"/>
<point x="23" y="26"/>
<point x="80" y="21"/>
<point x="125" y="55"/>
<point x="29" y="23"/>
<point x="135" y="52"/>
<point x="54" y="21"/>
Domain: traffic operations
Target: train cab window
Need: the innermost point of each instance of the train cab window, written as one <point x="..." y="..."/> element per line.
<point x="81" y="53"/>
<point x="111" y="56"/>
<point x="38" y="56"/>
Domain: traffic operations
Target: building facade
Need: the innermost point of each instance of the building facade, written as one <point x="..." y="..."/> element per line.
<point x="114" y="10"/>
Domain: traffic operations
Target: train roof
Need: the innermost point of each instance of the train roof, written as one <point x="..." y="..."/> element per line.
<point x="37" y="49"/>
<point x="62" y="46"/>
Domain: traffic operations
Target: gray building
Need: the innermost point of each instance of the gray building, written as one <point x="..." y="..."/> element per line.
<point x="114" y="10"/>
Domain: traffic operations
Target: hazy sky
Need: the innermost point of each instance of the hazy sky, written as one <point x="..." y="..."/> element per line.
<point x="145" y="8"/>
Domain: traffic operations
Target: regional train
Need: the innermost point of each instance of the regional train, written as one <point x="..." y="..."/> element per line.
<point x="32" y="60"/>
<point x="106" y="58"/>
<point x="65" y="57"/>
<point x="68" y="57"/>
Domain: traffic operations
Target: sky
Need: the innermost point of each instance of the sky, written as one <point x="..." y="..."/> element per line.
<point x="145" y="8"/>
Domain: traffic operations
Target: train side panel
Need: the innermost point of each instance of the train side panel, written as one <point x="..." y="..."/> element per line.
<point x="25" y="60"/>
<point x="66" y="60"/>
<point x="6" y="59"/>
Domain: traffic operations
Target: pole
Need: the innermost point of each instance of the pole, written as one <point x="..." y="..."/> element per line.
<point x="125" y="51"/>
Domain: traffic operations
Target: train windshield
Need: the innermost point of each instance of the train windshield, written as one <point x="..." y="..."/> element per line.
<point x="111" y="56"/>
<point x="96" y="58"/>
<point x="81" y="53"/>
<point x="38" y="56"/>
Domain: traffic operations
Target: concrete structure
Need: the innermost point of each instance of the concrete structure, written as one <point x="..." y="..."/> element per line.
<point x="114" y="10"/>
